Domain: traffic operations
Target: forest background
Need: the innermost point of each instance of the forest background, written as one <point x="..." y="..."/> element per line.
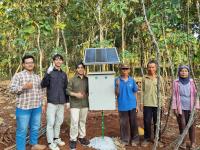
<point x="45" y="27"/>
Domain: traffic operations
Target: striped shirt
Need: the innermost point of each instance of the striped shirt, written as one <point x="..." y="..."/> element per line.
<point x="27" y="98"/>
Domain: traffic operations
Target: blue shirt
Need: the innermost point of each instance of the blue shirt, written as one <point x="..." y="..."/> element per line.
<point x="126" y="97"/>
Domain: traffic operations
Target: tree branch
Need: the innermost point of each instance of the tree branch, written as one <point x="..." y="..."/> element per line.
<point x="158" y="78"/>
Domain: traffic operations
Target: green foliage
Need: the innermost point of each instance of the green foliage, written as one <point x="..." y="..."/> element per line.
<point x="23" y="20"/>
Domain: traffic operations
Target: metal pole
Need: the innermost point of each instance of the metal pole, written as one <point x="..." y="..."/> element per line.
<point x="102" y="124"/>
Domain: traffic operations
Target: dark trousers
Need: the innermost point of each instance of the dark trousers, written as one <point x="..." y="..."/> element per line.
<point x="128" y="125"/>
<point x="182" y="122"/>
<point x="148" y="114"/>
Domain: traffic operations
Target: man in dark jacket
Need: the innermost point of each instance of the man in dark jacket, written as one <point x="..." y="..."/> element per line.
<point x="55" y="80"/>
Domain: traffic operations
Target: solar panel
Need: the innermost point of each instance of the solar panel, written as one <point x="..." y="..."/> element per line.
<point x="101" y="56"/>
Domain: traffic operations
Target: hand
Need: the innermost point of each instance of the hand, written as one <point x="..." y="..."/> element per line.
<point x="28" y="85"/>
<point x="137" y="109"/>
<point x="50" y="69"/>
<point x="67" y="105"/>
<point x="84" y="94"/>
<point x="79" y="95"/>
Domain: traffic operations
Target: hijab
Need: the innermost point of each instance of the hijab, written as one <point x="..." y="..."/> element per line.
<point x="184" y="80"/>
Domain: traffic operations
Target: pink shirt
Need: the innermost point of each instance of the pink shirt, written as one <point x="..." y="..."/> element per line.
<point x="176" y="102"/>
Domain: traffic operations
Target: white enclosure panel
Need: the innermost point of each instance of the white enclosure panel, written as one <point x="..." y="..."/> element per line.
<point x="101" y="91"/>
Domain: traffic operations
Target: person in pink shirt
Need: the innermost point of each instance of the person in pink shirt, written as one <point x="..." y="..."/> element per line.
<point x="184" y="100"/>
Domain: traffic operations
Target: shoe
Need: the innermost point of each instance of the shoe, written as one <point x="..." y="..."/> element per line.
<point x="84" y="141"/>
<point x="38" y="147"/>
<point x="160" y="145"/>
<point x="135" y="142"/>
<point x="125" y="143"/>
<point x="183" y="146"/>
<point x="145" y="143"/>
<point x="72" y="145"/>
<point x="59" y="142"/>
<point x="53" y="146"/>
<point x="193" y="146"/>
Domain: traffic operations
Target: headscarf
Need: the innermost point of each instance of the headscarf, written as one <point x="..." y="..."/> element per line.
<point x="184" y="80"/>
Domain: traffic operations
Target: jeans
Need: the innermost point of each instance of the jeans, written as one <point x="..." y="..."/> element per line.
<point x="55" y="116"/>
<point x="27" y="118"/>
<point x="128" y="126"/>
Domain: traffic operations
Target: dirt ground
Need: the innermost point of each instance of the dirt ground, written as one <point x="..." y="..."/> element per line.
<point x="7" y="125"/>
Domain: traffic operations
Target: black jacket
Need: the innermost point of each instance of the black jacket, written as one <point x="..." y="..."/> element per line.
<point x="56" y="84"/>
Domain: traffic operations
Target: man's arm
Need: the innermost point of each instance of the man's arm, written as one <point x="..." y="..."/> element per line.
<point x="142" y="94"/>
<point x="45" y="81"/>
<point x="15" y="86"/>
<point x="117" y="84"/>
<point x="70" y="91"/>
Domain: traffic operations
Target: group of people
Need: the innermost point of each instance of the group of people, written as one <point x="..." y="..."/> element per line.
<point x="30" y="103"/>
<point x="184" y="100"/>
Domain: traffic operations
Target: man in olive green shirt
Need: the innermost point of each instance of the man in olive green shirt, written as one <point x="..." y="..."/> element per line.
<point x="78" y="91"/>
<point x="149" y="102"/>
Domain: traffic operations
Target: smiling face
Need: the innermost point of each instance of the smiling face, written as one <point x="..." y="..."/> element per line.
<point x="58" y="62"/>
<point x="184" y="73"/>
<point x="28" y="64"/>
<point x="80" y="69"/>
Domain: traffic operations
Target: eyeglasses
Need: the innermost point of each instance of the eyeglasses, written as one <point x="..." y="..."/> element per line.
<point x="125" y="68"/>
<point x="27" y="63"/>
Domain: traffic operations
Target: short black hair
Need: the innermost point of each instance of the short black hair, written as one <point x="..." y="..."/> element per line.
<point x="57" y="56"/>
<point x="27" y="57"/>
<point x="152" y="62"/>
<point x="80" y="63"/>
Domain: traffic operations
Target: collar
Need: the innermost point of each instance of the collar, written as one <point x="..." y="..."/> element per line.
<point x="26" y="71"/>
<point x="54" y="69"/>
<point x="129" y="78"/>
<point x="77" y="76"/>
<point x="150" y="77"/>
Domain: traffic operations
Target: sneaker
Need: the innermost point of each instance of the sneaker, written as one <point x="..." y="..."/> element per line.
<point x="125" y="143"/>
<point x="193" y="146"/>
<point x="53" y="146"/>
<point x="72" y="145"/>
<point x="59" y="142"/>
<point x="160" y="145"/>
<point x="135" y="142"/>
<point x="145" y="143"/>
<point x="84" y="141"/>
<point x="38" y="147"/>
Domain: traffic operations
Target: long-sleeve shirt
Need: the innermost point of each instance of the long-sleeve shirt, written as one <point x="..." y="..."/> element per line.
<point x="176" y="102"/>
<point x="56" y="84"/>
<point x="27" y="98"/>
<point x="149" y="91"/>
<point x="76" y="84"/>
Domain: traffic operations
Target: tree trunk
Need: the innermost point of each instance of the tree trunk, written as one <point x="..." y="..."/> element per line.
<point x="57" y="30"/>
<point x="123" y="38"/>
<point x="100" y="24"/>
<point x="39" y="48"/>
<point x="66" y="50"/>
